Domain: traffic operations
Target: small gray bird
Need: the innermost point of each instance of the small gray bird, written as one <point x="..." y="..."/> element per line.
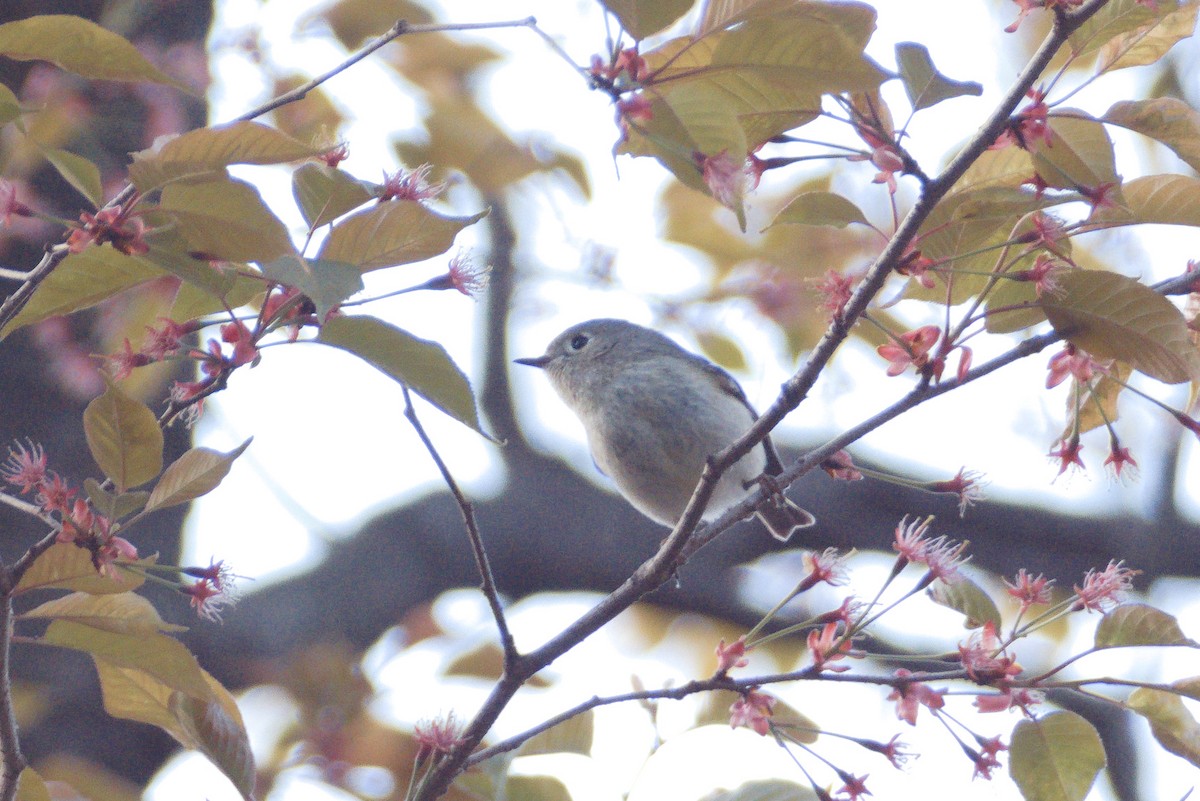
<point x="654" y="413"/>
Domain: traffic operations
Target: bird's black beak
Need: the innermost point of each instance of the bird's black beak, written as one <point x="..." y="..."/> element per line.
<point x="539" y="362"/>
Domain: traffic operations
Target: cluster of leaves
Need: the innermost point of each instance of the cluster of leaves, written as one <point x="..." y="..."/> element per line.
<point x="996" y="246"/>
<point x="231" y="263"/>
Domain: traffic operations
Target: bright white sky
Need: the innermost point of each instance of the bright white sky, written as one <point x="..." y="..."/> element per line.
<point x="331" y="447"/>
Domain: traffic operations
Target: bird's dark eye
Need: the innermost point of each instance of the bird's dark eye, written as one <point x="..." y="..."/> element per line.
<point x="578" y="341"/>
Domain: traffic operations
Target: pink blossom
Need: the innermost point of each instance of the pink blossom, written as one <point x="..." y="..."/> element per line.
<point x="731" y="656"/>
<point x="910" y="696"/>
<point x="753" y="710"/>
<point x="724" y="176"/>
<point x="910" y="348"/>
<point x="1105" y="588"/>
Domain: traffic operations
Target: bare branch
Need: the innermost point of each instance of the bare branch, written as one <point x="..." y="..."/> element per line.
<point x="488" y="582"/>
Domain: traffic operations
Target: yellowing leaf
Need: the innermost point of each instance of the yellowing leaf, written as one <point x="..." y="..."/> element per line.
<point x="10" y="106"/>
<point x="573" y="736"/>
<point x="967" y="597"/>
<point x="820" y="208"/>
<point x="79" y="46"/>
<point x="82" y="280"/>
<point x="923" y="84"/>
<point x="1139" y="624"/>
<point x="164" y="658"/>
<point x="1163" y="199"/>
<point x="219" y="737"/>
<point x="642" y="18"/>
<point x="1079" y="153"/>
<point x="65" y="566"/>
<point x="325" y="193"/>
<point x="226" y="219"/>
<point x="422" y="365"/>
<point x="80" y="173"/>
<point x="1164" y="119"/>
<point x="197" y="472"/>
<point x="1148" y="43"/>
<point x="134" y="694"/>
<point x="536" y="788"/>
<point x="124" y="438"/>
<point x="1114" y="317"/>
<point x="355" y="21"/>
<point x="1114" y="20"/>
<point x="1055" y="757"/>
<point x="388" y="234"/>
<point x="1170" y="722"/>
<point x="30" y="787"/>
<point x="123" y="613"/>
<point x="206" y="152"/>
<point x="1105" y="390"/>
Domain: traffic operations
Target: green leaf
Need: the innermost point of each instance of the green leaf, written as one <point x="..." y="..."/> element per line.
<point x="1114" y="317"/>
<point x="81" y="174"/>
<point x="30" y="787"/>
<point x="124" y="438"/>
<point x="1055" y="757"/>
<point x="924" y="85"/>
<point x="194" y="474"/>
<point x="1170" y="722"/>
<point x="10" y="106"/>
<point x="123" y="613"/>
<point x="1114" y="20"/>
<point x="162" y="657"/>
<point x="325" y="193"/>
<point x="65" y="566"/>
<point x="967" y="597"/>
<point x="399" y="232"/>
<point x="1148" y="43"/>
<point x="206" y="152"/>
<point x="219" y="737"/>
<point x="225" y="218"/>
<point x="114" y="506"/>
<point x="642" y="18"/>
<point x="192" y="301"/>
<point x="327" y="283"/>
<point x="820" y="208"/>
<point x="422" y="365"/>
<point x="1079" y="153"/>
<point x="82" y="280"/>
<point x="967" y="230"/>
<point x="573" y="736"/>
<point x="1139" y="624"/>
<point x="1164" y="119"/>
<point x="80" y="46"/>
<point x="536" y="788"/>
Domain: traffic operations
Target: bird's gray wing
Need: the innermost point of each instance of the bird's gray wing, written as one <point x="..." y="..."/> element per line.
<point x="730" y="385"/>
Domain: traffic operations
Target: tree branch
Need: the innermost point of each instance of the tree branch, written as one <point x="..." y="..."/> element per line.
<point x="488" y="582"/>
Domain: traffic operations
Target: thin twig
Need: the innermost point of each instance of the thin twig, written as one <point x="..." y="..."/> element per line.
<point x="12" y="761"/>
<point x="487" y="580"/>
